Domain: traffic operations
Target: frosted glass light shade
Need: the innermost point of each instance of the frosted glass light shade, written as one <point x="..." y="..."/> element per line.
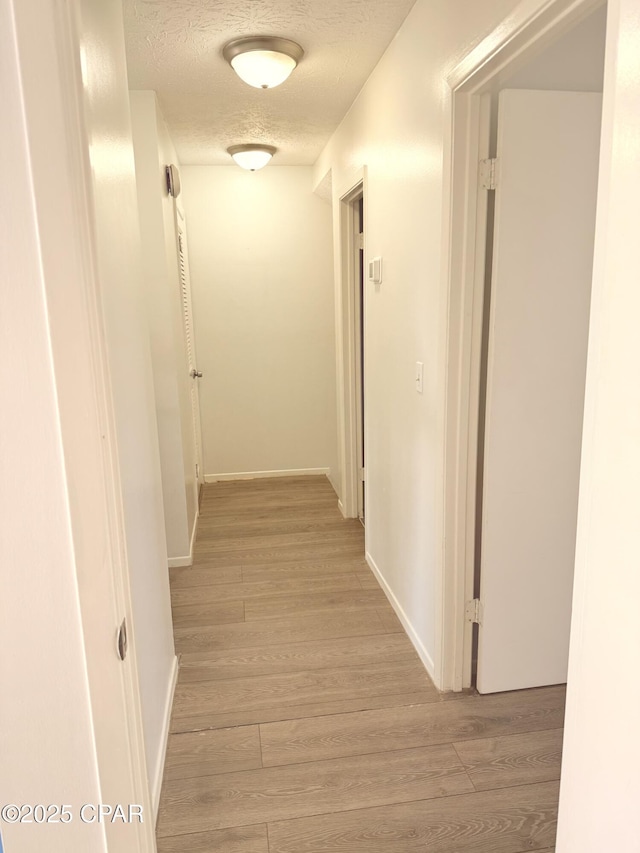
<point x="264" y="61"/>
<point x="263" y="69"/>
<point x="252" y="157"/>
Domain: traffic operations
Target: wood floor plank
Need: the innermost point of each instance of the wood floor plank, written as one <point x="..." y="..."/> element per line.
<point x="293" y="629"/>
<point x="264" y="524"/>
<point x="240" y="839"/>
<point x="207" y="753"/>
<point x="296" y="657"/>
<point x="261" y="589"/>
<point x="241" y="717"/>
<point x="517" y="820"/>
<point x="207" y="613"/>
<point x="468" y="718"/>
<point x="214" y="511"/>
<point x="277" y="504"/>
<point x="368" y="580"/>
<point x="300" y="569"/>
<point x="294" y="553"/>
<point x="242" y="543"/>
<point x="235" y="799"/>
<point x="198" y="575"/>
<point x="280" y="606"/>
<point x="389" y="619"/>
<point x="270" y="697"/>
<point x="270" y="486"/>
<point x="516" y="759"/>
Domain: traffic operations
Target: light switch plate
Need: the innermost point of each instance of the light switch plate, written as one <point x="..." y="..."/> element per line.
<point x="375" y="270"/>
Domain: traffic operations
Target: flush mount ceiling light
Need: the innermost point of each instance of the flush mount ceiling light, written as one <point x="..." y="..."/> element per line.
<point x="252" y="157"/>
<point x="263" y="61"/>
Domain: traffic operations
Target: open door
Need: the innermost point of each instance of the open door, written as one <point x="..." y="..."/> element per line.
<point x="546" y="181"/>
<point x="194" y="374"/>
<point x="359" y="349"/>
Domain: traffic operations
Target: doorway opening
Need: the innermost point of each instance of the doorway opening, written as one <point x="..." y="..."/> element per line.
<point x="521" y="257"/>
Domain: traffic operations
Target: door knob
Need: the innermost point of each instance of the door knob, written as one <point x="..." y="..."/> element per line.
<point x="195" y="374"/>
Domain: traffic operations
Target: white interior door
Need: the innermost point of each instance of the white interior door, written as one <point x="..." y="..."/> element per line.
<point x="547" y="170"/>
<point x="187" y="317"/>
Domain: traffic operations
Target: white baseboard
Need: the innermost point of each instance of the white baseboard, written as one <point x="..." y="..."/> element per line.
<point x="164" y="740"/>
<point x="257" y="475"/>
<point x="424" y="655"/>
<point x="180" y="562"/>
<point x="341" y="508"/>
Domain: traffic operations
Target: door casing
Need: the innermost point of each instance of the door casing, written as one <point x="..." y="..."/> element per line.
<point x="351" y="412"/>
<point x="52" y="98"/>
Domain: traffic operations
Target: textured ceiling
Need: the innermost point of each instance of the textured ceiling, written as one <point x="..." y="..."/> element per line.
<point x="174" y="47"/>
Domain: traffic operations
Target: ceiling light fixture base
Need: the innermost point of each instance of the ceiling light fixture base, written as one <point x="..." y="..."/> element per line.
<point x="275" y="44"/>
<point x="252" y="155"/>
<point x="263" y="61"/>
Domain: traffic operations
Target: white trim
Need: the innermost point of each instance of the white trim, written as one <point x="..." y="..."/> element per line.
<point x="531" y="24"/>
<point x="423" y="654"/>
<point x="341" y="508"/>
<point x="156" y="787"/>
<point x="257" y="475"/>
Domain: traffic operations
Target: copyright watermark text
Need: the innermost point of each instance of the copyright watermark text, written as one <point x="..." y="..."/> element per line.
<point x="87" y="813"/>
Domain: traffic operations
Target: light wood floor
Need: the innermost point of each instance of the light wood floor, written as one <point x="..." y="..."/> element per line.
<point x="304" y="721"/>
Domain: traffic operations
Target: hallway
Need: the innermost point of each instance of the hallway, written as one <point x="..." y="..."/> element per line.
<point x="303" y="719"/>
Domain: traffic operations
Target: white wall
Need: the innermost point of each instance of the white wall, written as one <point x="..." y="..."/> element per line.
<point x="573" y="63"/>
<point x="599" y="789"/>
<point x="396" y="129"/>
<point x="153" y="151"/>
<point x="261" y="256"/>
<point x="108" y="122"/>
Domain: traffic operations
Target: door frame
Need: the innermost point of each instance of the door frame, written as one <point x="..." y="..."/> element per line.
<point x="347" y="306"/>
<point x="529" y="28"/>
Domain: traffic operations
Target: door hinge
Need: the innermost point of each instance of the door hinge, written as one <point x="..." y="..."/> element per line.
<point x="361" y="240"/>
<point x="361" y="475"/>
<point x="488" y="173"/>
<point x="473" y="611"/>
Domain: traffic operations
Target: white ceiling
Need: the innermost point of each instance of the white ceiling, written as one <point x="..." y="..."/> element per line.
<point x="174" y="47"/>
